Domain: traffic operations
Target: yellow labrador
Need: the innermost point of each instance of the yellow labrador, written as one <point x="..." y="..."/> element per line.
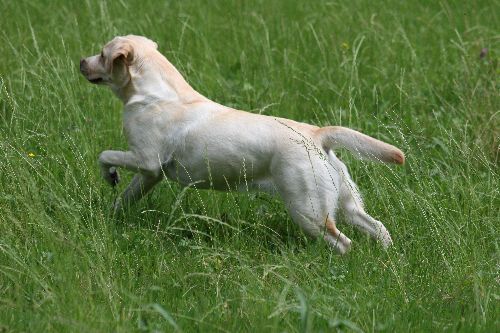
<point x="175" y="131"/>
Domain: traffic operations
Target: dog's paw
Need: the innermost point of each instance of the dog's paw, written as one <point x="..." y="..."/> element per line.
<point x="111" y="176"/>
<point x="386" y="240"/>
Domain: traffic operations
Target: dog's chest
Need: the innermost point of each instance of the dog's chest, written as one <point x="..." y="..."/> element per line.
<point x="145" y="126"/>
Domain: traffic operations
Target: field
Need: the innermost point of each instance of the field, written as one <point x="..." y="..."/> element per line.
<point x="407" y="72"/>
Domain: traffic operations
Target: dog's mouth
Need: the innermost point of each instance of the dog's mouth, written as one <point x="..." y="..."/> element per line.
<point x="97" y="80"/>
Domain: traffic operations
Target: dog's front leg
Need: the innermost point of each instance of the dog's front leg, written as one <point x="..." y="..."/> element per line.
<point x="138" y="187"/>
<point x="110" y="159"/>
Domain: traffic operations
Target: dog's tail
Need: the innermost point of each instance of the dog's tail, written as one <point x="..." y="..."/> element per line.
<point x="359" y="144"/>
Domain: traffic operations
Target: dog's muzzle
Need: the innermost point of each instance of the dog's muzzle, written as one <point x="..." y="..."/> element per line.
<point x="84" y="70"/>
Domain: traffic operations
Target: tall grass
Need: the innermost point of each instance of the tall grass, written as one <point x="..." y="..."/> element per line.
<point x="405" y="72"/>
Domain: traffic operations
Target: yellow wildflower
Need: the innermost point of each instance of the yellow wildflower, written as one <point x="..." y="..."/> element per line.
<point x="345" y="46"/>
<point x="30" y="154"/>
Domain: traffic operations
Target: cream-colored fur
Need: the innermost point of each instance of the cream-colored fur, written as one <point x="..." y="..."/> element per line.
<point x="174" y="131"/>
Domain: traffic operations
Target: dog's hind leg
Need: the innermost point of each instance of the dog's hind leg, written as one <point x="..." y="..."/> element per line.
<point x="316" y="227"/>
<point x="352" y="208"/>
<point x="335" y="238"/>
<point x="138" y="187"/>
<point x="312" y="206"/>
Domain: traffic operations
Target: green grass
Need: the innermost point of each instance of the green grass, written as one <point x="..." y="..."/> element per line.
<point x="404" y="72"/>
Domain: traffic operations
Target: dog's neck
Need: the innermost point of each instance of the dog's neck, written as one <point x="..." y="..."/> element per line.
<point x="157" y="80"/>
<point x="145" y="88"/>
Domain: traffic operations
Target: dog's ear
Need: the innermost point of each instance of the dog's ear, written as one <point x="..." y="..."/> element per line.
<point x="122" y="51"/>
<point x="125" y="52"/>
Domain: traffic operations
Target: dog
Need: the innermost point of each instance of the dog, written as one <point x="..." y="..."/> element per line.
<point x="175" y="132"/>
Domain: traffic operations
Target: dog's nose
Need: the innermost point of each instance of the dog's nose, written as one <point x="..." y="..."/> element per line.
<point x="82" y="64"/>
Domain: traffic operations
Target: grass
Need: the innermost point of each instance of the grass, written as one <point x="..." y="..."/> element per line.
<point x="405" y="72"/>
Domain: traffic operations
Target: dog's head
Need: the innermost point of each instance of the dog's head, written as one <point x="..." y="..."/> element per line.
<point x="113" y="65"/>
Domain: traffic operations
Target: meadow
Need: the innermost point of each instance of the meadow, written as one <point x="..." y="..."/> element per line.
<point x="410" y="73"/>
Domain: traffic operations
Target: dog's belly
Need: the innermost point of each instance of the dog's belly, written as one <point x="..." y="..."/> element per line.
<point x="222" y="175"/>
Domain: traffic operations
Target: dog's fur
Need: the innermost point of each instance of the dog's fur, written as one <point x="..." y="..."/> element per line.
<point x="173" y="130"/>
